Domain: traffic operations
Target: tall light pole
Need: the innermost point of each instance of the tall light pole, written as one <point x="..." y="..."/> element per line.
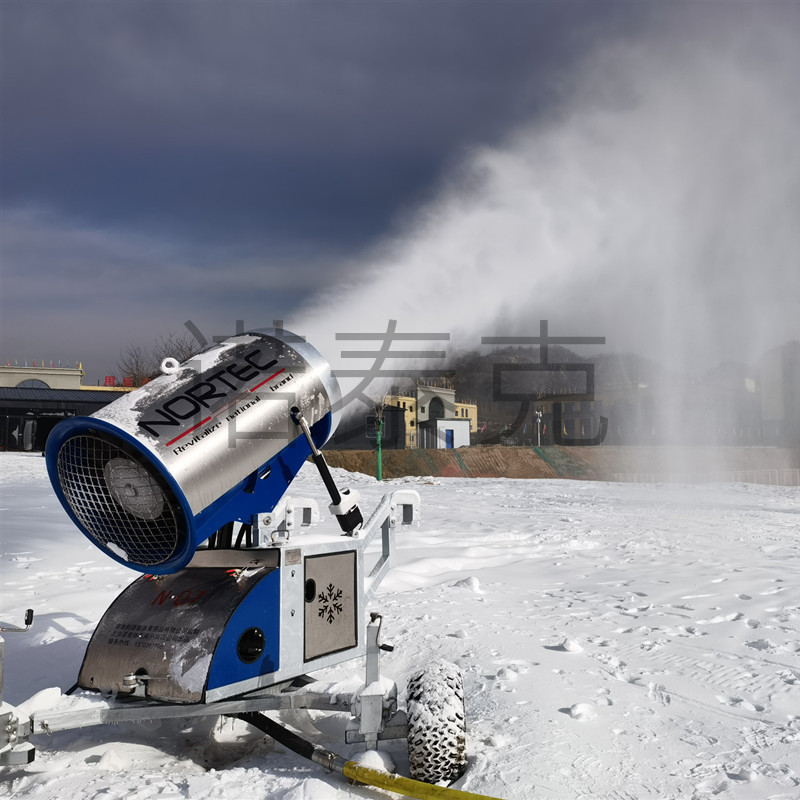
<point x="539" y="427"/>
<point x="379" y="409"/>
<point x="379" y="452"/>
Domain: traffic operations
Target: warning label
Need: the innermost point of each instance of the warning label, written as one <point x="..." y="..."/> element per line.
<point x="157" y="637"/>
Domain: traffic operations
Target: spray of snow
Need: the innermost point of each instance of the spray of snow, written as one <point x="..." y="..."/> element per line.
<point x="655" y="205"/>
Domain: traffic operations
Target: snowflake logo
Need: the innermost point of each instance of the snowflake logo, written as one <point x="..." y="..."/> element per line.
<point x="329" y="603"/>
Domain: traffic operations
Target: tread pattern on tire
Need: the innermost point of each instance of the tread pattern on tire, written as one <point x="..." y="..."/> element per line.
<point x="437" y="747"/>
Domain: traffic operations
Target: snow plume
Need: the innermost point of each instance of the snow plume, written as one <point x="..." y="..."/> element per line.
<point x="655" y="203"/>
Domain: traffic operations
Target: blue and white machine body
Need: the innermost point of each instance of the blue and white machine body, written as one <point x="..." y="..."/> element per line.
<point x="151" y="476"/>
<point x="184" y="480"/>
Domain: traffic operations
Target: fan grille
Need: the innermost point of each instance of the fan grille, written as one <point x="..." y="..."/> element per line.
<point x="120" y="501"/>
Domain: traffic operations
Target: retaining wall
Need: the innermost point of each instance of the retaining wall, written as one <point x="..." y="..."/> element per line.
<point x="775" y="465"/>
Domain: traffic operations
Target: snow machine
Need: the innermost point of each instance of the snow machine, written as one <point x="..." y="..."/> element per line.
<point x="240" y="596"/>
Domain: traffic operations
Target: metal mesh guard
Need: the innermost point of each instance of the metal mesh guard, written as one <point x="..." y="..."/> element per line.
<point x="119" y="501"/>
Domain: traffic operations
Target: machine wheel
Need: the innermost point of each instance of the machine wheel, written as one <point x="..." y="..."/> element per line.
<point x="437" y="746"/>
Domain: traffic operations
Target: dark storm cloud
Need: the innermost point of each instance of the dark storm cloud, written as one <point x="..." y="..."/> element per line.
<point x="280" y="119"/>
<point x="220" y="161"/>
<point x="217" y="195"/>
<point x="80" y="294"/>
<point x="169" y="160"/>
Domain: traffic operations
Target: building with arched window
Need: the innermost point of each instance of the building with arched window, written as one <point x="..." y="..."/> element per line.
<point x="427" y="410"/>
<point x="34" y="399"/>
<point x="41" y="377"/>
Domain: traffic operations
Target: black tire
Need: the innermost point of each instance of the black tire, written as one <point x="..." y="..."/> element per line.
<point x="437" y="728"/>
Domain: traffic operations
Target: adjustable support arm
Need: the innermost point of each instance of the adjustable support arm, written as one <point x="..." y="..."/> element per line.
<point x="344" y="504"/>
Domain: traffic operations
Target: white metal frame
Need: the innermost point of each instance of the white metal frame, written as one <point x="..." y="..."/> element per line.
<point x="374" y="707"/>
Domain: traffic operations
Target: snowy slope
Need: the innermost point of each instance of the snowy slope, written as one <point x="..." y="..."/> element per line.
<point x="617" y="641"/>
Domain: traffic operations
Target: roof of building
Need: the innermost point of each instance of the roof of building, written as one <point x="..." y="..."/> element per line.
<point x="59" y="395"/>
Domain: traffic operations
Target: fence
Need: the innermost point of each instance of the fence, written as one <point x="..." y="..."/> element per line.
<point x="769" y="477"/>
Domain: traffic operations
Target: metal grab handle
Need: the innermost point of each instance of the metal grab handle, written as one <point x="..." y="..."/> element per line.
<point x="28" y="623"/>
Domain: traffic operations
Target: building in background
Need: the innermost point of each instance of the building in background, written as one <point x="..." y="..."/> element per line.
<point x="443" y="434"/>
<point x="28" y="414"/>
<point x="33" y="399"/>
<point x="41" y="377"/>
<point x="780" y="395"/>
<point x="731" y="404"/>
<point x="428" y="403"/>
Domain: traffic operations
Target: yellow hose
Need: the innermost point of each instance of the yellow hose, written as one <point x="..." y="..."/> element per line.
<point x="406" y="786"/>
<point x="350" y="769"/>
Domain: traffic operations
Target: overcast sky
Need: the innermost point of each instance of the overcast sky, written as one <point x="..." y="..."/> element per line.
<point x="446" y="164"/>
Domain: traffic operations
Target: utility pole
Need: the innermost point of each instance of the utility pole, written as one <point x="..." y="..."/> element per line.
<point x="379" y="407"/>
<point x="379" y="460"/>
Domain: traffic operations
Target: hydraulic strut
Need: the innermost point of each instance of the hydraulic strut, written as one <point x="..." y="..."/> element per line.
<point x="344" y="504"/>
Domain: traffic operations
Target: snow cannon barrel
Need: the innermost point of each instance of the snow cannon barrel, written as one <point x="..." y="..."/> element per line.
<point x="211" y="441"/>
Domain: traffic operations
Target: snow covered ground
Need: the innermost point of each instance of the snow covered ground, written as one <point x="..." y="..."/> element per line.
<point x="617" y="641"/>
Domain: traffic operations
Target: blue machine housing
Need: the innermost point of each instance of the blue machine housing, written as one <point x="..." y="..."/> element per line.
<point x="200" y="629"/>
<point x="257" y="616"/>
<point x="258" y="492"/>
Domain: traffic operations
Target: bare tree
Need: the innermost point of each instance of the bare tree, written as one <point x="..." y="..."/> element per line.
<point x="136" y="364"/>
<point x="140" y="363"/>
